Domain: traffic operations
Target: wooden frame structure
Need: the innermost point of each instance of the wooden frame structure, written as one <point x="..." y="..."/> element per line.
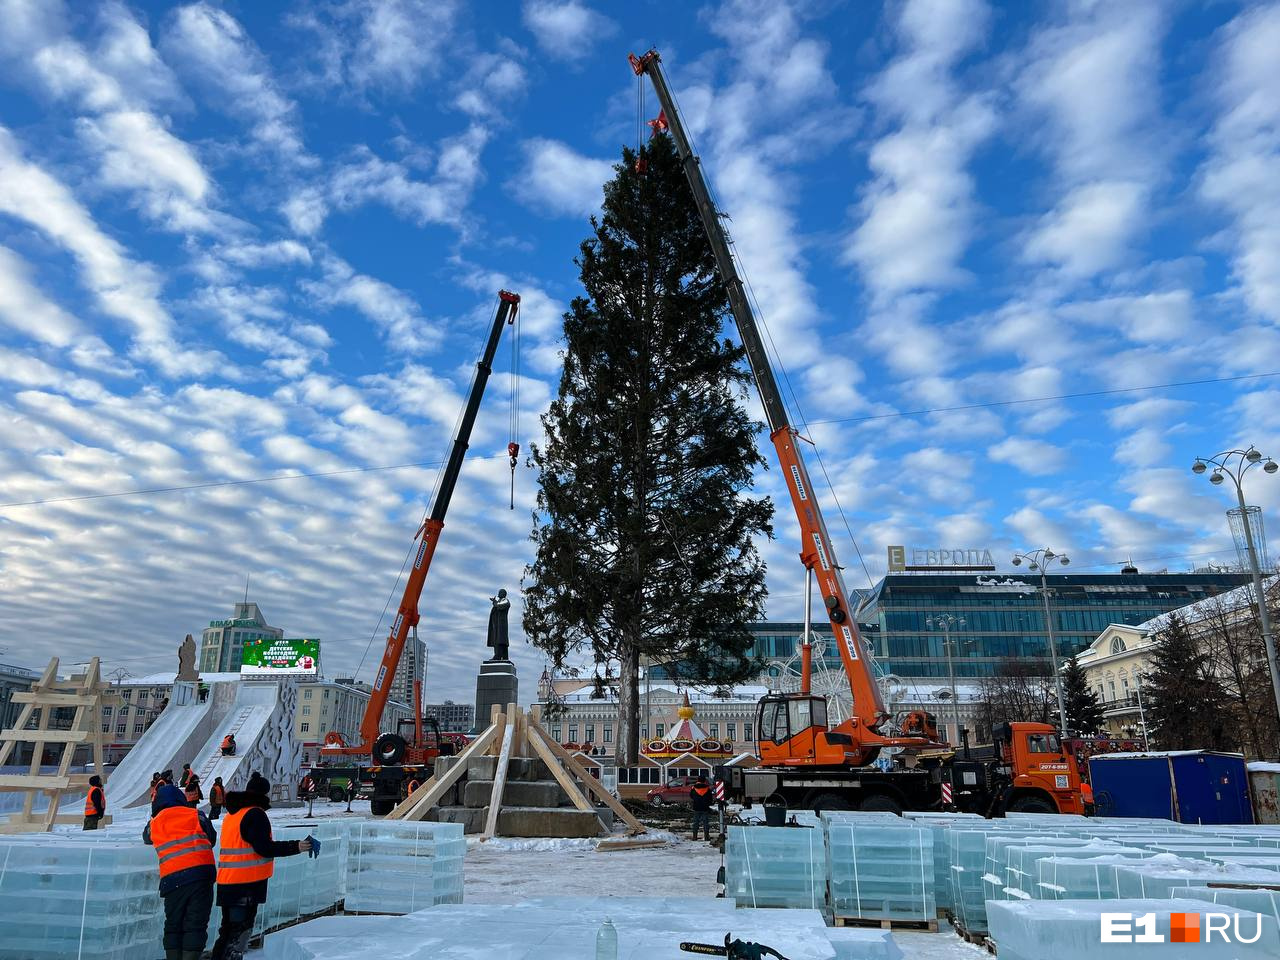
<point x="87" y="694"/>
<point x="515" y="733"/>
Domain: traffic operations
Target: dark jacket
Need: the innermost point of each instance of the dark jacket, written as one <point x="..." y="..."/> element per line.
<point x="255" y="828"/>
<point x="202" y="874"/>
<point x="702" y="802"/>
<point x="97" y="799"/>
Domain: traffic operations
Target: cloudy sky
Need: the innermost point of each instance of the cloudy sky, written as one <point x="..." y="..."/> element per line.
<point x="246" y="240"/>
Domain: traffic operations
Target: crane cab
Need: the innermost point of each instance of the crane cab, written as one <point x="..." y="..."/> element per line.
<point x="793" y="731"/>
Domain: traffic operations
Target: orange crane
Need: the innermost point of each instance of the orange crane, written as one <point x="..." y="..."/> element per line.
<point x="388" y="748"/>
<point x="804" y="760"/>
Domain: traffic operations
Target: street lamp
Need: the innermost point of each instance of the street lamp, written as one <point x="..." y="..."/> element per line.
<point x="1234" y="464"/>
<point x="1039" y="561"/>
<point x="946" y="622"/>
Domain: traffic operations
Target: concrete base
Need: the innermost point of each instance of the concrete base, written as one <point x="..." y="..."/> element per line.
<point x="524" y="821"/>
<point x="486" y="768"/>
<point x="516" y="793"/>
<point x="495" y="684"/>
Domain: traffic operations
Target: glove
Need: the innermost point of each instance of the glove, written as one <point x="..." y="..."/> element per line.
<point x="315" y="847"/>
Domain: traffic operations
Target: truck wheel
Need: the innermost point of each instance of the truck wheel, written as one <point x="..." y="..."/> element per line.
<point x="380" y="808"/>
<point x="829" y="801"/>
<point x="388" y="749"/>
<point x="878" y="802"/>
<point x="337" y="794"/>
<point x="1032" y="805"/>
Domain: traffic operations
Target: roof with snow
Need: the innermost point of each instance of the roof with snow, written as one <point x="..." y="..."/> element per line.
<point x="1238" y="601"/>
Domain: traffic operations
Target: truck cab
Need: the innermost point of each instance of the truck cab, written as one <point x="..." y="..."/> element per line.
<point x="1038" y="773"/>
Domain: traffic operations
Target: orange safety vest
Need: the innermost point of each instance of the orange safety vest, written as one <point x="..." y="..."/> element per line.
<point x="1086" y="792"/>
<point x="217" y="794"/>
<point x="702" y="791"/>
<point x="89" y="808"/>
<point x="180" y="841"/>
<point x="226" y="741"/>
<point x="237" y="861"/>
<point x="413" y="785"/>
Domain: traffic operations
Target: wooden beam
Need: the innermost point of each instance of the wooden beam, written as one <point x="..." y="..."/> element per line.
<point x="416" y="805"/>
<point x="48" y="736"/>
<point x="591" y="783"/>
<point x="557" y="771"/>
<point x="500" y="772"/>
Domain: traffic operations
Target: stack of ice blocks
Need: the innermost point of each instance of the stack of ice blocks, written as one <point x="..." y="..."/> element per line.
<point x="1093" y="878"/>
<point x="399" y="866"/>
<point x="1158" y="877"/>
<point x="1037" y="929"/>
<point x="939" y="824"/>
<point x="880" y="870"/>
<point x="1022" y="865"/>
<point x="66" y="898"/>
<point x="776" y="867"/>
<point x="1262" y="901"/>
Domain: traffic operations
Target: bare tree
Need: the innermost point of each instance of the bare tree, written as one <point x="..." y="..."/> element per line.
<point x="1018" y="690"/>
<point x="1232" y="642"/>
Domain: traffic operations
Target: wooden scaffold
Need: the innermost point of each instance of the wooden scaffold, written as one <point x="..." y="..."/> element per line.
<point x="87" y="694"/>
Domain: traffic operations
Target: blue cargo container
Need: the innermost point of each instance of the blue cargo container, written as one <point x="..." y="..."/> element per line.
<point x="1190" y="786"/>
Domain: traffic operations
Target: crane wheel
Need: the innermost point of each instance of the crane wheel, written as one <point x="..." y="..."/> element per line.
<point x="880" y="803"/>
<point x="380" y="808"/>
<point x="389" y="749"/>
<point x="829" y="801"/>
<point x="1032" y="805"/>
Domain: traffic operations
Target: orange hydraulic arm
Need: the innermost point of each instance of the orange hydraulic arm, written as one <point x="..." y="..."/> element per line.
<point x="817" y="553"/>
<point x="429" y="534"/>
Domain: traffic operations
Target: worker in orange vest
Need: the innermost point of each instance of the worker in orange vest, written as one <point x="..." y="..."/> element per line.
<point x="413" y="785"/>
<point x="184" y="839"/>
<point x="217" y="798"/>
<point x="95" y="804"/>
<point x="186" y="775"/>
<point x="229" y="745"/>
<point x="245" y="864"/>
<point x="155" y="785"/>
<point x="1086" y="795"/>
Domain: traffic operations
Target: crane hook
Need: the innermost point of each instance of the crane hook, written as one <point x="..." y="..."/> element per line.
<point x="513" y="451"/>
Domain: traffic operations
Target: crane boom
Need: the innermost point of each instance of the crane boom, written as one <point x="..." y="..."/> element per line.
<point x="817" y="553"/>
<point x="429" y="536"/>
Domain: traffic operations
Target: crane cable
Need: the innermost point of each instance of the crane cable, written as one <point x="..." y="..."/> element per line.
<point x="513" y="430"/>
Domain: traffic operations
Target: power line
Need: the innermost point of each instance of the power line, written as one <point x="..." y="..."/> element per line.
<point x="1060" y="396"/>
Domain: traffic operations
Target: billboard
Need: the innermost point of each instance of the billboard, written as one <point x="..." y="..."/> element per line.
<point x="268" y="657"/>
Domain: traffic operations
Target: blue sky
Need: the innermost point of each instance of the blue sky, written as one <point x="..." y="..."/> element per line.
<point x="239" y="240"/>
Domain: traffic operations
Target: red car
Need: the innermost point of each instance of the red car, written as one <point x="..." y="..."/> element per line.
<point x="676" y="792"/>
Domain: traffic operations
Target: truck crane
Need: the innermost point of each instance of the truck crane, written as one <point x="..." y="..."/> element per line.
<point x="803" y="758"/>
<point x="395" y="759"/>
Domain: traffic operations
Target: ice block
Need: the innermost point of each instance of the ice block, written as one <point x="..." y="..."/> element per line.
<point x="776" y="867"/>
<point x="881" y="871"/>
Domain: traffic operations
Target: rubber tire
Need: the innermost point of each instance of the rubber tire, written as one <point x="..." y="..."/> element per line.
<point x="337" y="795"/>
<point x="389" y="749"/>
<point x="380" y="808"/>
<point x="1031" y="805"/>
<point x="878" y="802"/>
<point x="830" y="801"/>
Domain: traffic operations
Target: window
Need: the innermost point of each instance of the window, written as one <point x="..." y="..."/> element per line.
<point x="1043" y="743"/>
<point x="746" y="731"/>
<point x="573" y="733"/>
<point x="662" y="728"/>
<point x="106" y="728"/>
<point x="608" y="733"/>
<point x="306" y="711"/>
<point x="1117" y="645"/>
<point x="142" y="696"/>
<point x="715" y="730"/>
<point x="306" y="695"/>
<point x="127" y="694"/>
<point x="119" y="729"/>
<point x="137" y="727"/>
<point x="306" y="727"/>
<point x="644" y="732"/>
<point x="326" y="694"/>
<point x="106" y="712"/>
<point x="591" y="733"/>
<point x="731" y="731"/>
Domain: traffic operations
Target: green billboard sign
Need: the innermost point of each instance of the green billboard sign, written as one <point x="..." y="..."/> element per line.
<point x="273" y="658"/>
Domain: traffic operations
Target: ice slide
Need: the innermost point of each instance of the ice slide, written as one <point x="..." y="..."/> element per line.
<point x="172" y="740"/>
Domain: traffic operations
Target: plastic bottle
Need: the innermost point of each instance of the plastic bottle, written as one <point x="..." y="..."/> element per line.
<point x="607" y="941"/>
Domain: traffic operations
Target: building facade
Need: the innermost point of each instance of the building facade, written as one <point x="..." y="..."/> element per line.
<point x="413" y="666"/>
<point x="1114" y="665"/>
<point x="452" y="717"/>
<point x="1005" y="619"/>
<point x="325" y="705"/>
<point x="13" y="680"/>
<point x="223" y="640"/>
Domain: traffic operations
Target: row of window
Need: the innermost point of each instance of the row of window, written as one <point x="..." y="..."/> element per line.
<point x="652" y="776"/>
<point x="122" y="728"/>
<point x="713" y="730"/>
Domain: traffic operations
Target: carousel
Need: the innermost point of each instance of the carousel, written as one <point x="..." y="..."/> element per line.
<point x="686" y="738"/>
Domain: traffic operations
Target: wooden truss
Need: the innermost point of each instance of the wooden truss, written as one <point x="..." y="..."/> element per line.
<point x="515" y="733"/>
<point x="86" y="694"/>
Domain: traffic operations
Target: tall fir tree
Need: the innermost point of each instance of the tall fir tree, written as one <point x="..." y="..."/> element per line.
<point x="644" y="531"/>
<point x="1185" y="704"/>
<point x="1084" y="712"/>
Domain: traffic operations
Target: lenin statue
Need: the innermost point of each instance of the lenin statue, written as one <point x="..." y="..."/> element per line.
<point x="498" y="626"/>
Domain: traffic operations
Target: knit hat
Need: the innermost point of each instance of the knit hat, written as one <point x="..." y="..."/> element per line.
<point x="168" y="796"/>
<point x="258" y="784"/>
<point x="95" y="781"/>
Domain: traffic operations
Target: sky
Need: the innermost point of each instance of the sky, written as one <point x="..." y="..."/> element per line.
<point x="241" y="241"/>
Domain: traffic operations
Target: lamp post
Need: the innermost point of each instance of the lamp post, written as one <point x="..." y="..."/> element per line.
<point x="1039" y="561"/>
<point x="946" y="622"/>
<point x="1233" y="465"/>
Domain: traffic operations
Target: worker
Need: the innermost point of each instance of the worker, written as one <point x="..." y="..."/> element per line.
<point x="245" y="864"/>
<point x="184" y="840"/>
<point x="229" y="745"/>
<point x="192" y="790"/>
<point x="701" y="799"/>
<point x="1086" y="796"/>
<point x="186" y="775"/>
<point x="95" y="804"/>
<point x="217" y="798"/>
<point x="155" y="785"/>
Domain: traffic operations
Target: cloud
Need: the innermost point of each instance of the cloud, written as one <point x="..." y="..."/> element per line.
<point x="556" y="179"/>
<point x="1242" y="174"/>
<point x="916" y="214"/>
<point x="210" y="45"/>
<point x="392" y="311"/>
<point x="1090" y="229"/>
<point x="25" y="309"/>
<point x="1036" y="457"/>
<point x="492" y="81"/>
<point x="566" y="29"/>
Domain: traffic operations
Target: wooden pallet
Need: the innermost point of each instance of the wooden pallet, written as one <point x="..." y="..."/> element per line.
<point x="882" y="923"/>
<point x="977" y="939"/>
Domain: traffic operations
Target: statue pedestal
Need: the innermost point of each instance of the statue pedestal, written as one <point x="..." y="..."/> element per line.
<point x="184" y="692"/>
<point x="496" y="683"/>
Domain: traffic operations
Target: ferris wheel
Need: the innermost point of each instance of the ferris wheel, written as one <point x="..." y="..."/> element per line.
<point x="824" y="680"/>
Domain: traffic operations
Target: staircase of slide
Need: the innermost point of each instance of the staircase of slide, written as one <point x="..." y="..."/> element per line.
<point x="247" y="720"/>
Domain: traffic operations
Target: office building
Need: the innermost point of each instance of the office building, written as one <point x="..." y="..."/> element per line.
<point x="413" y="666"/>
<point x="452" y="717"/>
<point x="222" y="641"/>
<point x="338" y="705"/>
<point x="13" y="680"/>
